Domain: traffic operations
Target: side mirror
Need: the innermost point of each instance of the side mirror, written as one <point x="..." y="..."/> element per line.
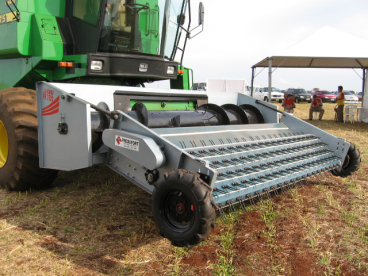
<point x="201" y="14"/>
<point x="200" y="21"/>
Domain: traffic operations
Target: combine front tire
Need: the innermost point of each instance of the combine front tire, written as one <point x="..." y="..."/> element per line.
<point x="351" y="162"/>
<point x="183" y="208"/>
<point x="19" y="169"/>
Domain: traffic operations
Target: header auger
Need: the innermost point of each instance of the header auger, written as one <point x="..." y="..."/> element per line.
<point x="75" y="97"/>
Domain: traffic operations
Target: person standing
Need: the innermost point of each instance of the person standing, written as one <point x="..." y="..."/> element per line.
<point x="289" y="104"/>
<point x="316" y="106"/>
<point x="340" y="105"/>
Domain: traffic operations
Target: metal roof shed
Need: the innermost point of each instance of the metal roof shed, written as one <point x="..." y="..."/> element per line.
<point x="323" y="50"/>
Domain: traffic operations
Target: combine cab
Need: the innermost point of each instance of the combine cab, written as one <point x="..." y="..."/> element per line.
<point x="195" y="152"/>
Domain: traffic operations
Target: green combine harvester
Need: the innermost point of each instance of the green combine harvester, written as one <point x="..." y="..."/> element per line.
<point x="72" y="95"/>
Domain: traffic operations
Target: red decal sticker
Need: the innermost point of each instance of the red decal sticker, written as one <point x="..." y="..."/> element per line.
<point x="48" y="95"/>
<point x="52" y="108"/>
<point x="118" y="140"/>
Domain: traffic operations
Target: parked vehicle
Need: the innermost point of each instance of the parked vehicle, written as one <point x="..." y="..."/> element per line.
<point x="256" y="92"/>
<point x="276" y="94"/>
<point x="349" y="96"/>
<point x="325" y="96"/>
<point x="300" y="94"/>
<point x="360" y="96"/>
<point x="247" y="90"/>
<point x="259" y="94"/>
<point x="200" y="86"/>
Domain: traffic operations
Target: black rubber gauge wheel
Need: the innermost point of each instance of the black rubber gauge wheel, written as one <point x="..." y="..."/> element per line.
<point x="183" y="208"/>
<point x="351" y="162"/>
<point x="19" y="169"/>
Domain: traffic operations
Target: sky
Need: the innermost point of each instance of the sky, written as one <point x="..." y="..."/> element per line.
<point x="239" y="34"/>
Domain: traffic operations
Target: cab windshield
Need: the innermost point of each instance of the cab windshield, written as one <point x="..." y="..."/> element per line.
<point x="141" y="27"/>
<point x="300" y="91"/>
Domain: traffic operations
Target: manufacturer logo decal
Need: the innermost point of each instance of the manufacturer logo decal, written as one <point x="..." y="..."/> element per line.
<point x="143" y="67"/>
<point x="126" y="143"/>
<point x="52" y="108"/>
<point x="48" y="95"/>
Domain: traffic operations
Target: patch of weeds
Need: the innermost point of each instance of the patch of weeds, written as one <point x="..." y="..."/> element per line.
<point x="312" y="241"/>
<point x="321" y="209"/>
<point x="133" y="238"/>
<point x="337" y="272"/>
<point x="268" y="216"/>
<point x="296" y="196"/>
<point x="268" y="213"/>
<point x="276" y="267"/>
<point x="230" y="218"/>
<point x="362" y="234"/>
<point x="331" y="201"/>
<point x="56" y="194"/>
<point x="64" y="215"/>
<point x="175" y="265"/>
<point x="180" y="252"/>
<point x="225" y="265"/>
<point x="360" y="193"/>
<point x="67" y="230"/>
<point x="351" y="184"/>
<point x="253" y="257"/>
<point x="313" y="231"/>
<point x="325" y="258"/>
<point x="351" y="216"/>
<point x="360" y="264"/>
<point x="43" y="203"/>
<point x="125" y="270"/>
<point x="32" y="211"/>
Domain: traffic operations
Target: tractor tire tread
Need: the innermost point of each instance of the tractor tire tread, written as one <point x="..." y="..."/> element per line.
<point x="19" y="114"/>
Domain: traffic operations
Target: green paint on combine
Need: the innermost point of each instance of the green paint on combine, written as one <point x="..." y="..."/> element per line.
<point x="48" y="32"/>
<point x="164" y="106"/>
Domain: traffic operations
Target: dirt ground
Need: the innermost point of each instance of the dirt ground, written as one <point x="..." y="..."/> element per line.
<point x="94" y="222"/>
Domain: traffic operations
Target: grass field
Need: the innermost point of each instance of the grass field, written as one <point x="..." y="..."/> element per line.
<point x="94" y="222"/>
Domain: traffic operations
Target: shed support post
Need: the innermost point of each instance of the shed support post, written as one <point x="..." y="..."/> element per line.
<point x="269" y="78"/>
<point x="363" y="84"/>
<point x="364" y="111"/>
<point x="252" y="82"/>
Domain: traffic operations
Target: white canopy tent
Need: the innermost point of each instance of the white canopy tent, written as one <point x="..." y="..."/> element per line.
<point x="322" y="50"/>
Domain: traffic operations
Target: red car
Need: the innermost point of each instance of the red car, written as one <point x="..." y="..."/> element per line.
<point x="325" y="96"/>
